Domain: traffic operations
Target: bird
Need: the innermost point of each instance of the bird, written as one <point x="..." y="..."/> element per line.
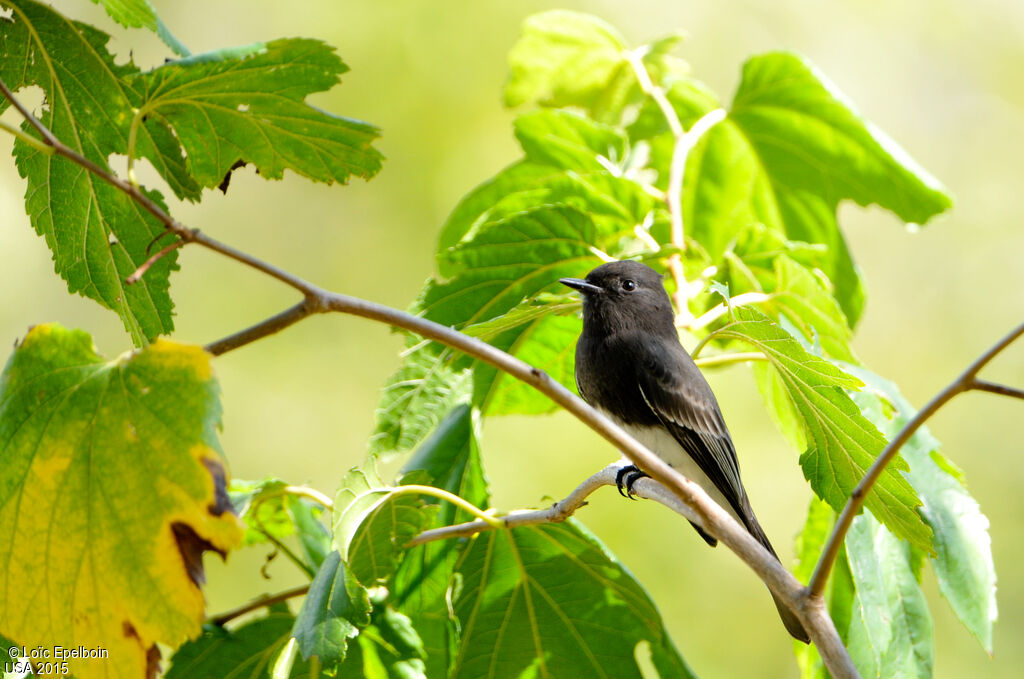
<point x="631" y="366"/>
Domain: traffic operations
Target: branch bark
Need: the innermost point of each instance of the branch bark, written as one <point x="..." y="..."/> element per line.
<point x="965" y="382"/>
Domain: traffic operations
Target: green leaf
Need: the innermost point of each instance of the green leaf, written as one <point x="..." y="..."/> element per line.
<point x="569" y="141"/>
<point x="547" y="343"/>
<point x="891" y="630"/>
<point x="815" y="150"/>
<point x="524" y="314"/>
<point x="803" y="300"/>
<point x="270" y="509"/>
<point x="963" y="560"/>
<point x="373" y="523"/>
<point x="416" y="397"/>
<point x="507" y="261"/>
<point x="140" y="14"/>
<point x="261" y="506"/>
<point x="551" y="601"/>
<point x="570" y="160"/>
<point x="248" y="104"/>
<point x="14" y="665"/>
<point x="841" y="443"/>
<point x="98" y="235"/>
<point x="149" y="421"/>
<point x="379" y="543"/>
<point x="246" y="652"/>
<point x="564" y="58"/>
<point x="389" y="648"/>
<point x="449" y="459"/>
<point x="489" y="274"/>
<point x="336" y="607"/>
<point x="791" y="148"/>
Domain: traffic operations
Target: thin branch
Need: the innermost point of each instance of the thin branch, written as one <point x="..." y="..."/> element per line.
<point x="141" y="271"/>
<point x="1001" y="389"/>
<point x="262" y="602"/>
<point x="705" y="512"/>
<point x="965" y="382"/>
<point x="556" y="513"/>
<point x="262" y="329"/>
<point x="40" y="146"/>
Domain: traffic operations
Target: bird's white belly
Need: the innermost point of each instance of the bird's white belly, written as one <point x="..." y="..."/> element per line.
<point x="660" y="442"/>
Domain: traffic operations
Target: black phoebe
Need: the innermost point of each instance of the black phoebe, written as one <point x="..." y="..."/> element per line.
<point x="631" y="366"/>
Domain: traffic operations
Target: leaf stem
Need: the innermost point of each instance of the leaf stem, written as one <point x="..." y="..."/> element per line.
<point x="40" y="146"/>
<point x="727" y="359"/>
<point x="141" y="271"/>
<point x="264" y="601"/>
<point x="441" y="494"/>
<point x="684" y="143"/>
<point x="965" y="382"/>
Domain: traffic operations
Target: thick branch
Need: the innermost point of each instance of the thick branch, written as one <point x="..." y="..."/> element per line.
<point x="965" y="382"/>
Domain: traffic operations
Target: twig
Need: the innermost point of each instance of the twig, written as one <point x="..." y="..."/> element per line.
<point x="965" y="382"/>
<point x="262" y="329"/>
<point x="262" y="602"/>
<point x="705" y="512"/>
<point x="141" y="271"/>
<point x="1001" y="389"/>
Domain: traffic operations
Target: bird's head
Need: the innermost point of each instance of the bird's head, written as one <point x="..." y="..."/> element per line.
<point x="625" y="295"/>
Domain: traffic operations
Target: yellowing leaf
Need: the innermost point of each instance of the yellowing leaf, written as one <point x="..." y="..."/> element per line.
<point x="111" y="488"/>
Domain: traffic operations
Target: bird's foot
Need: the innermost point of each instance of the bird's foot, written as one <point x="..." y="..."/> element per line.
<point x="626" y="477"/>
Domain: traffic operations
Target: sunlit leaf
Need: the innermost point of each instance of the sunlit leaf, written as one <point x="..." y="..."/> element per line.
<point x="98" y="235"/>
<point x="550" y="601"/>
<point x="841" y="443"/>
<point x="140" y="14"/>
<point x="416" y="397"/>
<point x="335" y="609"/>
<point x="891" y="628"/>
<point x="389" y="648"/>
<point x="245" y="652"/>
<point x="248" y="104"/>
<point x="564" y="58"/>
<point x="791" y="149"/>
<point x="114" y="556"/>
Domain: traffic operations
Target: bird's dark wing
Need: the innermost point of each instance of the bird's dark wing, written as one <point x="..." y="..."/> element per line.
<point x="676" y="391"/>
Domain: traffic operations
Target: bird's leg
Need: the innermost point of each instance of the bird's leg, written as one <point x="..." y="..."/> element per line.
<point x="626" y="477"/>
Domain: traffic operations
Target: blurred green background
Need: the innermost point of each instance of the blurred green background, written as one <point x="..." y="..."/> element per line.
<point x="941" y="77"/>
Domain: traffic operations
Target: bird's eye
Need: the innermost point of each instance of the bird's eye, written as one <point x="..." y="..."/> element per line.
<point x="628" y="285"/>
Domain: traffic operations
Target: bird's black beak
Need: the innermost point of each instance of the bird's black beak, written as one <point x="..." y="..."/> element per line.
<point x="581" y="285"/>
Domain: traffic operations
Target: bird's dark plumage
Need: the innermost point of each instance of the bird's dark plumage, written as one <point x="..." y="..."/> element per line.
<point x="631" y="366"/>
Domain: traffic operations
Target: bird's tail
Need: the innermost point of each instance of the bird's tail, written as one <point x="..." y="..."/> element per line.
<point x="789" y="619"/>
